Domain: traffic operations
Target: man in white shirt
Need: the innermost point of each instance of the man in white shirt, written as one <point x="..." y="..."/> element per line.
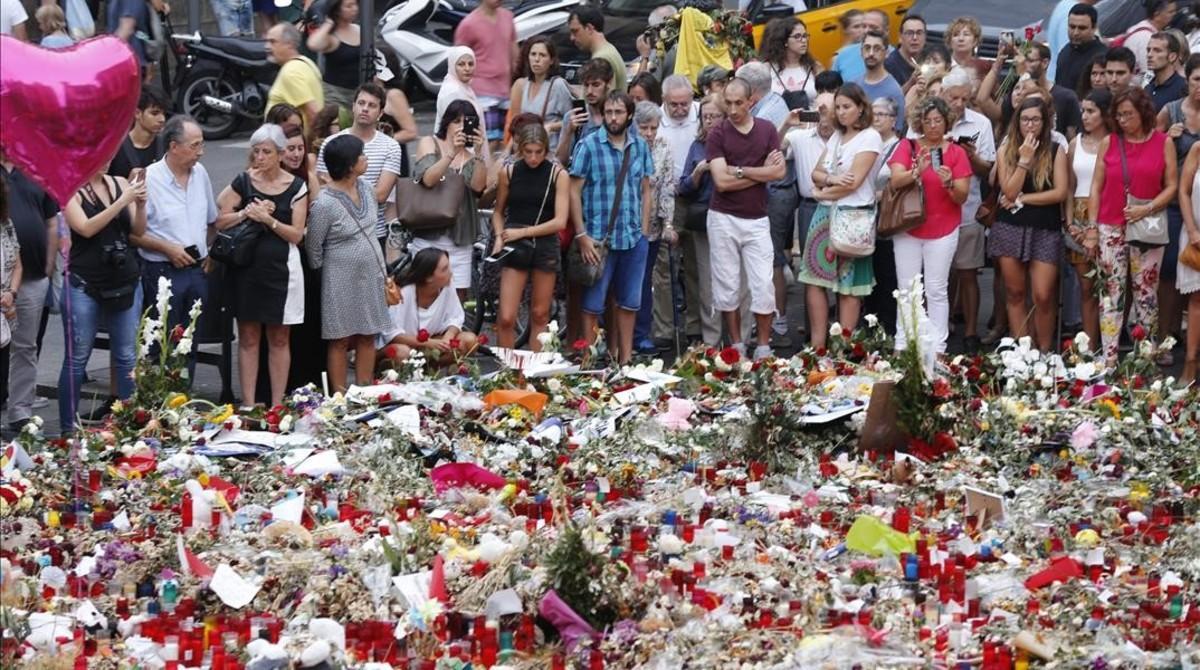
<point x="973" y="132"/>
<point x="12" y="19"/>
<point x="179" y="211"/>
<point x="804" y="145"/>
<point x="679" y="127"/>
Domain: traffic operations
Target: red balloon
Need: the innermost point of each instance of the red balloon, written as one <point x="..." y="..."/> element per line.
<point x="65" y="112"/>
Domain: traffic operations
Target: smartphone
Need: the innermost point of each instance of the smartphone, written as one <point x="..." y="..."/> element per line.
<point x="496" y="257"/>
<point x="578" y="105"/>
<point x="935" y="158"/>
<point x="193" y="251"/>
<point x="136" y="175"/>
<point x="470" y="125"/>
<point x="1008" y="41"/>
<point x="809" y="116"/>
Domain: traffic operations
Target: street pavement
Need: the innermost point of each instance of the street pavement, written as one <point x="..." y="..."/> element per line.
<point x="224" y="159"/>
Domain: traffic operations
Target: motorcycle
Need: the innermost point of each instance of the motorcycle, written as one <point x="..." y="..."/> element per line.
<point x="222" y="81"/>
<point x="420" y="31"/>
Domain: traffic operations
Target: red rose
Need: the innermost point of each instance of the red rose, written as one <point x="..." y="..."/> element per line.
<point x="941" y="388"/>
<point x="391" y="351"/>
<point x="1138" y="382"/>
<point x="717" y="26"/>
<point x="177" y="334"/>
<point x="973" y="373"/>
<point x="1138" y="332"/>
<point x="462" y="370"/>
<point x="730" y="355"/>
<point x="710" y="352"/>
<point x="422" y="336"/>
<point x="455" y="343"/>
<point x="748" y="29"/>
<point x="1029" y="33"/>
<point x="482" y="339"/>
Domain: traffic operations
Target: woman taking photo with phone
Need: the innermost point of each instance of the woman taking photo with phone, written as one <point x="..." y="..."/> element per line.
<point x="104" y="283"/>
<point x="928" y="250"/>
<point x="532" y="204"/>
<point x="1027" y="238"/>
<point x="459" y="146"/>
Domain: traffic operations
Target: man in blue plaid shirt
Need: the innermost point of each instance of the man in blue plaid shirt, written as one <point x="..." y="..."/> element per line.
<point x="595" y="167"/>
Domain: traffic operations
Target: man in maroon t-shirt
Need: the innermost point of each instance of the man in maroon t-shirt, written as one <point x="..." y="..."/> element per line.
<point x="743" y="155"/>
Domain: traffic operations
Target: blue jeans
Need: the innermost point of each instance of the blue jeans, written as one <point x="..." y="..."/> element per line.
<point x="187" y="286"/>
<point x="80" y="323"/>
<point x="623" y="271"/>
<point x="234" y="17"/>
<point x="645" y="315"/>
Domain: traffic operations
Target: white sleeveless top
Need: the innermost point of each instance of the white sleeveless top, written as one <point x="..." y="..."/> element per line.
<point x="1083" y="165"/>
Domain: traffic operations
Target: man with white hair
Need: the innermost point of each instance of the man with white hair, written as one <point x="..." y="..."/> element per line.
<point x="973" y="132"/>
<point x="765" y="103"/>
<point x="678" y="128"/>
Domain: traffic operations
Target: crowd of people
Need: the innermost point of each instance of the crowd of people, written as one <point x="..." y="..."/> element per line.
<point x="1071" y="173"/>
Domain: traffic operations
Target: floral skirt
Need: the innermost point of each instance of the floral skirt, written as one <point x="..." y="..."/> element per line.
<point x="821" y="266"/>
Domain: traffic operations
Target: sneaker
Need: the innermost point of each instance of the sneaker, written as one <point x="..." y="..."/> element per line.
<point x="763" y="351"/>
<point x="646" y="347"/>
<point x="39" y="402"/>
<point x="780" y="325"/>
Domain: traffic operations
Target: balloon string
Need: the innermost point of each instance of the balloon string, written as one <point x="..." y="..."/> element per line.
<point x="64" y="254"/>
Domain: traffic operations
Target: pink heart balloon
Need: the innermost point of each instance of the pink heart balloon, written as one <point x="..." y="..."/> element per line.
<point x="65" y="112"/>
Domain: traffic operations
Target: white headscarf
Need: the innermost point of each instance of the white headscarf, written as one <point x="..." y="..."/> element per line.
<point x="454" y="88"/>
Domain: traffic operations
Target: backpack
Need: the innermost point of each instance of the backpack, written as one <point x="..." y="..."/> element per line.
<point x="1119" y="40"/>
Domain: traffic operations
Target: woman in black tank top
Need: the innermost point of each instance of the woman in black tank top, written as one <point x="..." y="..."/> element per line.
<point x="531" y="207"/>
<point x="104" y="283"/>
<point x="339" y="39"/>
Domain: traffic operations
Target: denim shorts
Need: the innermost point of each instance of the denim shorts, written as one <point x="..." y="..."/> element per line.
<point x="624" y="272"/>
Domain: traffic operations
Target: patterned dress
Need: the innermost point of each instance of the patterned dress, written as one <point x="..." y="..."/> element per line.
<point x="341" y="240"/>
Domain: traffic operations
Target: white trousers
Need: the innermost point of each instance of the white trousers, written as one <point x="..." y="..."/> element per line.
<point x="737" y="245"/>
<point x="931" y="259"/>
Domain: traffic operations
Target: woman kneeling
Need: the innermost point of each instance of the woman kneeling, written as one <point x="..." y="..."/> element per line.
<point x="429" y="317"/>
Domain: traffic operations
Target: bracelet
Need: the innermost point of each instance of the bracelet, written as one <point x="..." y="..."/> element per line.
<point x="1023" y="166"/>
<point x="581" y="235"/>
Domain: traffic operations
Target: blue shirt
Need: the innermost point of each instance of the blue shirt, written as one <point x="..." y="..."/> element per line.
<point x="703" y="192"/>
<point x="848" y="62"/>
<point x="1056" y="37"/>
<point x="771" y="108"/>
<point x="177" y="214"/>
<point x="598" y="163"/>
<point x="887" y="88"/>
<point x="136" y="9"/>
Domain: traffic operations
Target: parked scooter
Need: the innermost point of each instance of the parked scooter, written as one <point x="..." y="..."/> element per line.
<point x="222" y="81"/>
<point x="420" y="31"/>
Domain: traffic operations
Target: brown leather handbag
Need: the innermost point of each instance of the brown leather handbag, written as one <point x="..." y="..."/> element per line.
<point x="901" y="209"/>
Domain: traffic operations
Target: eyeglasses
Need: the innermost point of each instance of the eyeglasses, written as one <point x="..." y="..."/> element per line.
<point x="799" y="36"/>
<point x="712" y="117"/>
<point x="882" y="113"/>
<point x="1030" y="120"/>
<point x="913" y="33"/>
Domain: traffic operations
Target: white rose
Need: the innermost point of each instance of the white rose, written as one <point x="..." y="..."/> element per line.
<point x="545" y="337"/>
<point x="1082" y="341"/>
<point x="871" y="320"/>
<point x="554" y="385"/>
<point x="835" y="329"/>
<point x="285" y="424"/>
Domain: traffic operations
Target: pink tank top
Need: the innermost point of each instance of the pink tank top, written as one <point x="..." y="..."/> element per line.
<point x="1146" y="167"/>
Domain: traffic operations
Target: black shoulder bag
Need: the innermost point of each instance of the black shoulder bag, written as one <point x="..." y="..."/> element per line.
<point x="235" y="245"/>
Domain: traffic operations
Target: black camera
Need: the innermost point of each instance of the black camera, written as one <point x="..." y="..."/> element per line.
<point x="116" y="254"/>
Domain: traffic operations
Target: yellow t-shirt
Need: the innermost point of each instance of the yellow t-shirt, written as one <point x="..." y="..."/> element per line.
<point x="298" y="83"/>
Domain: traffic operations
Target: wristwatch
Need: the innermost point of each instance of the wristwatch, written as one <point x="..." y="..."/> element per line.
<point x="274" y="225"/>
<point x="737" y="172"/>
